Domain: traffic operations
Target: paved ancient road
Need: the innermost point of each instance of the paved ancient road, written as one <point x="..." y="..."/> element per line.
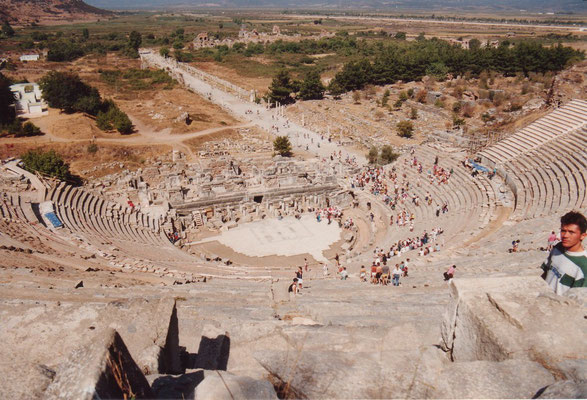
<point x="267" y="119"/>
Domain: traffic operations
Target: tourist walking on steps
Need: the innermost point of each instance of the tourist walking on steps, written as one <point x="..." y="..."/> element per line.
<point x="293" y="288"/>
<point x="566" y="264"/>
<point x="450" y="273"/>
<point x="343" y="274"/>
<point x="299" y="274"/>
<point x="363" y="274"/>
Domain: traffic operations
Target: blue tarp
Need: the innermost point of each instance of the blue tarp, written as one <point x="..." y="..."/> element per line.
<point x="478" y="167"/>
<point x="53" y="219"/>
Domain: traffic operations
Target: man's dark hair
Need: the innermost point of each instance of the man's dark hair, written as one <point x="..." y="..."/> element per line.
<point x="575" y="218"/>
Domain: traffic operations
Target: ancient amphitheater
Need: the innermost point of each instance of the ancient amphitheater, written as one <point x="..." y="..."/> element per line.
<point x="97" y="302"/>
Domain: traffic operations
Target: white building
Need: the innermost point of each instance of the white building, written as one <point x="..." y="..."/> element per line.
<point x="29" y="100"/>
<point x="29" y="57"/>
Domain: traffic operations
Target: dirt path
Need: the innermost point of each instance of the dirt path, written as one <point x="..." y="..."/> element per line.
<point x="144" y="135"/>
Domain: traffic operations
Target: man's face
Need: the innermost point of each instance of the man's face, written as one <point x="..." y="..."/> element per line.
<point x="571" y="237"/>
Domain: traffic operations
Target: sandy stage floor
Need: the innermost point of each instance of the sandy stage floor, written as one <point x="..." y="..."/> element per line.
<point x="286" y="237"/>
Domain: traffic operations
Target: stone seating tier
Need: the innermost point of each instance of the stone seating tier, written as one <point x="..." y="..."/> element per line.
<point x="570" y="118"/>
<point x="545" y="191"/>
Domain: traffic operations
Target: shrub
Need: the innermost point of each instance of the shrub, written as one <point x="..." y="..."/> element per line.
<point x="413" y="113"/>
<point x="388" y="155"/>
<point x="486" y="117"/>
<point x="422" y="96"/>
<point x="369" y="92"/>
<point x="405" y="129"/>
<point x="29" y="129"/>
<point x="373" y="155"/>
<point x="385" y="98"/>
<point x="456" y="121"/>
<point x="92" y="148"/>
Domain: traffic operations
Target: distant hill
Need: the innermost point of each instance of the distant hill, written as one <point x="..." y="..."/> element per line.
<point x="564" y="6"/>
<point x="25" y="12"/>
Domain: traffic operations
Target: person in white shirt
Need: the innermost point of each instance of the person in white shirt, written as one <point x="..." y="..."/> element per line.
<point x="395" y="274"/>
<point x="343" y="274"/>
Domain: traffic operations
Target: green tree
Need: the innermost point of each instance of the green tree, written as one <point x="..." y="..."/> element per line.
<point x="134" y="40"/>
<point x="64" y="50"/>
<point x="388" y="155"/>
<point x="49" y="163"/>
<point x="66" y="91"/>
<point x="282" y="146"/>
<point x="178" y="44"/>
<point x="113" y="118"/>
<point x="164" y="51"/>
<point x="7" y="30"/>
<point x="281" y="88"/>
<point x="400" y="35"/>
<point x="122" y="123"/>
<point x="103" y="121"/>
<point x="86" y="33"/>
<point x="437" y="70"/>
<point x="312" y="87"/>
<point x="91" y="103"/>
<point x="354" y="75"/>
<point x="373" y="155"/>
<point x="474" y="44"/>
<point x="6" y="101"/>
<point x="405" y="129"/>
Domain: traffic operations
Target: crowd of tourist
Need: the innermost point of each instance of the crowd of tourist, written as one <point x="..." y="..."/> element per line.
<point x="329" y="213"/>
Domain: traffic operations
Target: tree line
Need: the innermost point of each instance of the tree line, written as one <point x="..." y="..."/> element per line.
<point x="410" y="61"/>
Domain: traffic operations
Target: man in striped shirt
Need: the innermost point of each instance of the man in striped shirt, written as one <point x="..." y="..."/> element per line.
<point x="566" y="265"/>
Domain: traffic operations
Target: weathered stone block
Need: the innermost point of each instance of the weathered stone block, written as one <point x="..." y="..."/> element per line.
<point x="222" y="385"/>
<point x="102" y="369"/>
<point x="496" y="319"/>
